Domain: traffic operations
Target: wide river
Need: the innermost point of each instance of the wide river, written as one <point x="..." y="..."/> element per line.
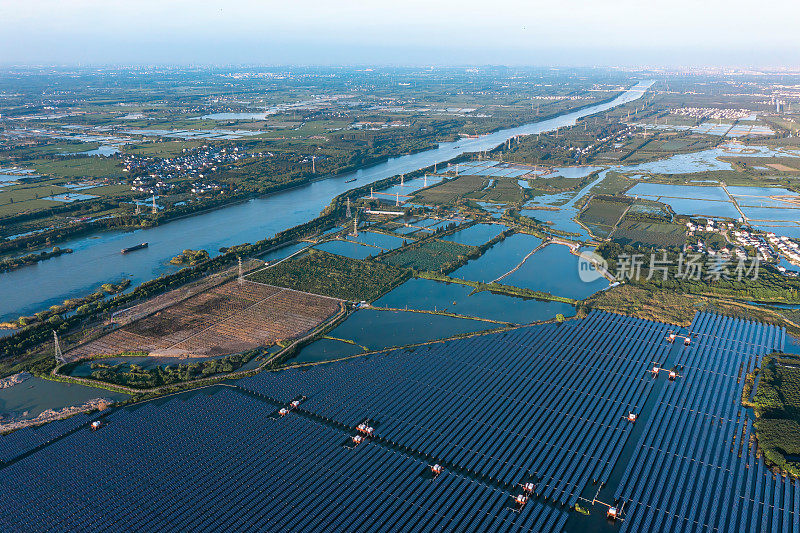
<point x="97" y="258"/>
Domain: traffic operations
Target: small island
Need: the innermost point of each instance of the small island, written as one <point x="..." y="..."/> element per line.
<point x="190" y="257"/>
<point x="14" y="263"/>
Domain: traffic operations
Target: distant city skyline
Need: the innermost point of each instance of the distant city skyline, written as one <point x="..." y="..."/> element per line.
<point x="572" y="33"/>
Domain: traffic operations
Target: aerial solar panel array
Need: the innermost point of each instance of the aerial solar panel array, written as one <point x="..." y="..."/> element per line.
<point x="503" y="431"/>
<point x="222" y="461"/>
<point x="542" y="404"/>
<point x="695" y="468"/>
<point x="28" y="439"/>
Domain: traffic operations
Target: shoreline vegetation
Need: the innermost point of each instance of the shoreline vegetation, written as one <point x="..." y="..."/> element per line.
<point x="7" y="265"/>
<point x="773" y="392"/>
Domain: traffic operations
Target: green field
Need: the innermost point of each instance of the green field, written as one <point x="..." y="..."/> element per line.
<point x="111" y="190"/>
<point x="502" y="190"/>
<point x="78" y="167"/>
<point x="27" y="197"/>
<point x="334" y="275"/>
<point x="649" y="233"/>
<point x="431" y="255"/>
<point x="450" y="191"/>
<point x="604" y="211"/>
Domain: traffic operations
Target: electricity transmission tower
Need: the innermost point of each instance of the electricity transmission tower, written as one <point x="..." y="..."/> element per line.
<point x="57" y="349"/>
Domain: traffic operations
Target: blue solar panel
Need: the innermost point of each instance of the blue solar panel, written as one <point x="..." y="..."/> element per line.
<point x="25" y="440"/>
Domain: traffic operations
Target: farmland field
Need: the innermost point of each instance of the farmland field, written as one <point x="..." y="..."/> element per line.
<point x="604" y="211"/>
<point x="334" y="275"/>
<point x="226" y="319"/>
<point x="503" y="190"/>
<point x="451" y="190"/>
<point x="431" y="255"/>
<point x="649" y="233"/>
<point x="78" y="167"/>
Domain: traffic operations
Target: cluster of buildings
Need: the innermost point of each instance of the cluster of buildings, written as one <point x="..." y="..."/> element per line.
<point x="711" y="226"/>
<point x="767" y="247"/>
<point x="786" y="246"/>
<point x="764" y="250"/>
<point x="150" y="185"/>
<point x="206" y="187"/>
<point x="559" y="97"/>
<point x="377" y="125"/>
<point x="192" y="163"/>
<point x="726" y="252"/>
<point x="617" y="138"/>
<point x="153" y="173"/>
<point x="712" y="112"/>
<point x="741" y="240"/>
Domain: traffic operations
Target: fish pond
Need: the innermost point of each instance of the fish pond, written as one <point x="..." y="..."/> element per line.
<point x="428" y="295"/>
<point x="499" y="259"/>
<point x="377" y="330"/>
<point x="554" y="269"/>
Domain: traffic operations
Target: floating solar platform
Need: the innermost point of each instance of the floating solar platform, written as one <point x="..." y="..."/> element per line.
<point x="226" y="462"/>
<point x="548" y="405"/>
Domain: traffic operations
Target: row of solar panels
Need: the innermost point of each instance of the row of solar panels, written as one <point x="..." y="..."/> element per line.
<point x="693" y="468"/>
<point x="546" y="404"/>
<point x="222" y="462"/>
<point x="24" y="440"/>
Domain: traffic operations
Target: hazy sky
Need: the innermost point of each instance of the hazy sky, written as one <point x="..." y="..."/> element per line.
<point x="566" y="32"/>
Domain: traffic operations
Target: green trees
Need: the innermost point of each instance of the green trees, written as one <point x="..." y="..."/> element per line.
<point x="190" y="257"/>
<point x="334" y="275"/>
<point x="769" y="285"/>
<point x="29" y="259"/>
<point x="777" y="407"/>
<point x="136" y="376"/>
